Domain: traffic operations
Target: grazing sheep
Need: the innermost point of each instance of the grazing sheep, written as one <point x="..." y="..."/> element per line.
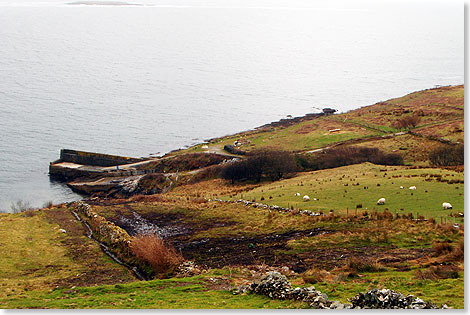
<point x="306" y="198"/>
<point x="381" y="201"/>
<point x="205" y="147"/>
<point x="413" y="187"/>
<point x="446" y="205"/>
<point x="401" y="187"/>
<point x="297" y="194"/>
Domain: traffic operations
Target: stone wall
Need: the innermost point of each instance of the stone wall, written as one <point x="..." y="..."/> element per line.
<point x="103" y="230"/>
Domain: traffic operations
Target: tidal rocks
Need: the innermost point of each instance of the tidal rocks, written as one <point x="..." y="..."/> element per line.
<point x="388" y="299"/>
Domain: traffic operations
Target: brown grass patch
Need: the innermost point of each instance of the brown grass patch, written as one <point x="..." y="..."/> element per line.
<point x="362" y="264"/>
<point x="441" y="248"/>
<point x="315" y="275"/>
<point x="150" y="248"/>
<point x="438" y="272"/>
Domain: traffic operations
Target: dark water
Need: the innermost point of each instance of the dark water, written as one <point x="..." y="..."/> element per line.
<point x="137" y="80"/>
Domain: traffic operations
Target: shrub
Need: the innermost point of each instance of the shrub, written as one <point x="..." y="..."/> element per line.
<point x="210" y="172"/>
<point x="20" y="206"/>
<point x="48" y="204"/>
<point x="314" y="275"/>
<point x="361" y="265"/>
<point x="457" y="253"/>
<point x="347" y="155"/>
<point x="448" y="155"/>
<point x="231" y="149"/>
<point x="151" y="184"/>
<point x="441" y="248"/>
<point x="406" y="122"/>
<point x="151" y="249"/>
<point x="268" y="163"/>
<point x="437" y="272"/>
<point x="185" y="162"/>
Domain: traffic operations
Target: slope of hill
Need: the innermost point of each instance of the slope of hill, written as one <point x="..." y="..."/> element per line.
<point x="440" y="118"/>
<point x="340" y="239"/>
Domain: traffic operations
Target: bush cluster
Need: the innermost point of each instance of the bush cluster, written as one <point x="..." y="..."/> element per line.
<point x="233" y="150"/>
<point x="406" y="122"/>
<point x="347" y="155"/>
<point x="268" y="164"/>
<point x="150" y="248"/>
<point x="151" y="184"/>
<point x="447" y="155"/>
<point x="186" y="162"/>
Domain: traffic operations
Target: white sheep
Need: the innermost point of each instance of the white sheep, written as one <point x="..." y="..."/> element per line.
<point x="401" y="187"/>
<point x="297" y="194"/>
<point x="306" y="198"/>
<point x="413" y="187"/>
<point x="446" y="205"/>
<point x="381" y="201"/>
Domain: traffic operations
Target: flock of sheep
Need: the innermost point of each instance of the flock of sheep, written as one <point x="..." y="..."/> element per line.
<point x="381" y="201"/>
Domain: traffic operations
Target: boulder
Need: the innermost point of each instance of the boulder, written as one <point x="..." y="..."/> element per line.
<point x="388" y="299"/>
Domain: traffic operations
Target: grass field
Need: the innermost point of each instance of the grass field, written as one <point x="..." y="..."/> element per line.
<point x="445" y="291"/>
<point x="182" y="293"/>
<point x="198" y="293"/>
<point x="36" y="255"/>
<point x="346" y="187"/>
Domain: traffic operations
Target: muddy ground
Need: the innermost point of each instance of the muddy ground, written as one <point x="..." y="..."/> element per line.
<point x="270" y="249"/>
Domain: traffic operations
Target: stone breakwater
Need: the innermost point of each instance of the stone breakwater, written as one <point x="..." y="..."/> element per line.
<point x="276" y="286"/>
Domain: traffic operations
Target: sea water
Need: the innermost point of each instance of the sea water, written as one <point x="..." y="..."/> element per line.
<point x="154" y="76"/>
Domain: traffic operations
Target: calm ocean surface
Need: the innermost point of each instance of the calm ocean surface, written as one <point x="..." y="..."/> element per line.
<point x="137" y="80"/>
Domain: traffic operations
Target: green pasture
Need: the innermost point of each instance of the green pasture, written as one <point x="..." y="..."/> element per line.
<point x="343" y="189"/>
<point x="439" y="292"/>
<point x="175" y="293"/>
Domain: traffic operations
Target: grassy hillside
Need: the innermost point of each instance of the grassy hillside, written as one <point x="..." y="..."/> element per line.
<point x="198" y="292"/>
<point x="409" y="244"/>
<point x="440" y="113"/>
<point x="433" y="106"/>
<point x="345" y="187"/>
<point x="36" y="255"/>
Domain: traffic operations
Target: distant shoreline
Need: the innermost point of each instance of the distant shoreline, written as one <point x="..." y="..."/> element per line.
<point x="108" y="3"/>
